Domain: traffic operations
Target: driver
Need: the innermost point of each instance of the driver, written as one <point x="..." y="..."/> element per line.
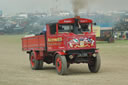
<point x="77" y="26"/>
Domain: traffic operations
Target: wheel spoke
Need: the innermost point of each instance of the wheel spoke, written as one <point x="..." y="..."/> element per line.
<point x="58" y="64"/>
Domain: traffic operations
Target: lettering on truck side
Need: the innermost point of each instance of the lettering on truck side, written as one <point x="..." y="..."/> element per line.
<point x="55" y="39"/>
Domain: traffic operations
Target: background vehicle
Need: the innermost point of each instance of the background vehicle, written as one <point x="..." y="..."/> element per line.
<point x="106" y="34"/>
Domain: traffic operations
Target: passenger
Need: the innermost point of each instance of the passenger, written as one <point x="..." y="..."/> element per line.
<point x="44" y="30"/>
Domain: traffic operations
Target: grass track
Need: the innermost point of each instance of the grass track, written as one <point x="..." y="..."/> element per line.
<point x="15" y="66"/>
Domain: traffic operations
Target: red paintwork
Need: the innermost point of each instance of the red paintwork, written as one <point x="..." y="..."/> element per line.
<point x="96" y="51"/>
<point x="32" y="63"/>
<point x="66" y="38"/>
<point x="60" y="53"/>
<point x="58" y="64"/>
<point x="33" y="43"/>
<point x="71" y="21"/>
<point x="60" y="41"/>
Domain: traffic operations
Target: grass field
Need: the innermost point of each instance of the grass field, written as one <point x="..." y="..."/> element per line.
<point x="15" y="67"/>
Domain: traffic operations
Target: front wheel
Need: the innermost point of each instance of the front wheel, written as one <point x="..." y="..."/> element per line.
<point x="61" y="64"/>
<point x="94" y="63"/>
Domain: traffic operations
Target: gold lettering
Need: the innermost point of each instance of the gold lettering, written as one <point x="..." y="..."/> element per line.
<point x="54" y="39"/>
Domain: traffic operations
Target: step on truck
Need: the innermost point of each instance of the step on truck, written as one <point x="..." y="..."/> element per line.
<point x="63" y="43"/>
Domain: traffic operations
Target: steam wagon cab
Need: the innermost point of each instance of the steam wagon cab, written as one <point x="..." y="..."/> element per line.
<point x="63" y="43"/>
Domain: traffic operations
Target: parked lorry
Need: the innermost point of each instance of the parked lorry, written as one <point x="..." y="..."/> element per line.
<point x="65" y="42"/>
<point x="106" y="34"/>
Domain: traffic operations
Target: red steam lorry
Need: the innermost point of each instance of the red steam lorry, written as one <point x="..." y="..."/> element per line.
<point x="63" y="43"/>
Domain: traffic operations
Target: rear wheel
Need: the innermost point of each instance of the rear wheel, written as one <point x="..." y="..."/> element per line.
<point x="94" y="63"/>
<point x="35" y="64"/>
<point x="61" y="64"/>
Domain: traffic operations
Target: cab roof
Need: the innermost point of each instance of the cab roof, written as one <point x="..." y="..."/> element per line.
<point x="71" y="21"/>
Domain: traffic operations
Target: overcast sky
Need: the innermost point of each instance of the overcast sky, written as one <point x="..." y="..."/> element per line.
<point x="14" y="6"/>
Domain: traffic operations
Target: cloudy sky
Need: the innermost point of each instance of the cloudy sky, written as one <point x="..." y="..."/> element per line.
<point x="14" y="6"/>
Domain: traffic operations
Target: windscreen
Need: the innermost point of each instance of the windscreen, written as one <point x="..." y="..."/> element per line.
<point x="65" y="28"/>
<point x="84" y="27"/>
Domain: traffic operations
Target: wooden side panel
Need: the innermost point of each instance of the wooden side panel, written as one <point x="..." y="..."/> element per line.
<point x="33" y="43"/>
